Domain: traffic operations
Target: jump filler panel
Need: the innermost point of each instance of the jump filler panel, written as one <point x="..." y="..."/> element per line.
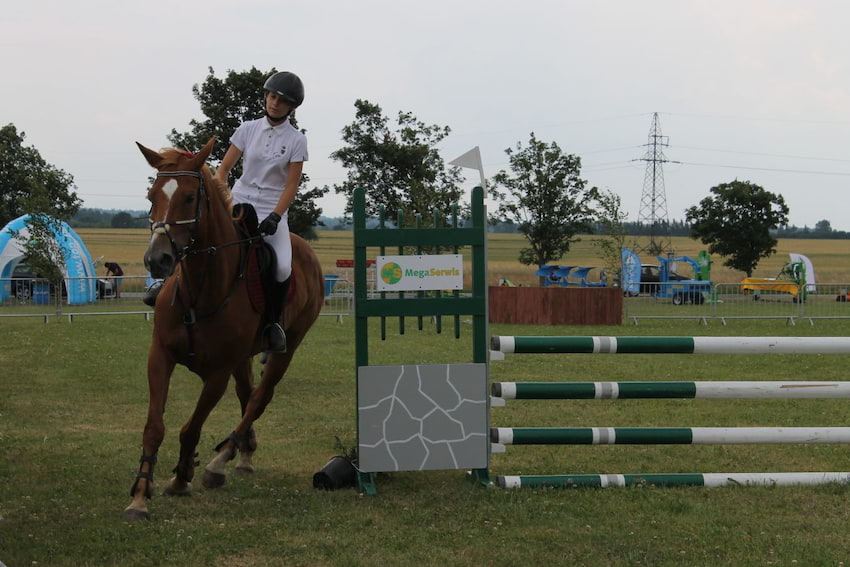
<point x="422" y="417"/>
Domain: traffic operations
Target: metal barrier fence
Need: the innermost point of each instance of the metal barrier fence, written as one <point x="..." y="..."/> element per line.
<point x="34" y="297"/>
<point x="27" y="297"/>
<point x="733" y="301"/>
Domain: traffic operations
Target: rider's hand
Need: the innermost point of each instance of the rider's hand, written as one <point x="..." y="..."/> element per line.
<point x="269" y="225"/>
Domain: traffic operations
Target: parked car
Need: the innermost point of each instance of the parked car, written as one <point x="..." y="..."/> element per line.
<point x="650" y="278"/>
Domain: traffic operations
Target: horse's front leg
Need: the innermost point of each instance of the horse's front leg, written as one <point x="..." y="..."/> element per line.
<point x="160" y="368"/>
<point x="215" y="385"/>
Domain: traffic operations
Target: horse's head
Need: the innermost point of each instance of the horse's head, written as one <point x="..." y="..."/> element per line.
<point x="178" y="197"/>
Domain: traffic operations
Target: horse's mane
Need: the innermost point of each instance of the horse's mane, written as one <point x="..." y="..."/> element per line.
<point x="173" y="157"/>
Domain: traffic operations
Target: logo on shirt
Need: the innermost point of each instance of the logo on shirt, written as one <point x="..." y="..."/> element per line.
<point x="282" y="150"/>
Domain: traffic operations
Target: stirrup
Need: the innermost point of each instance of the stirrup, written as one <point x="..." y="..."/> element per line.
<point x="275" y="338"/>
<point x="151" y="294"/>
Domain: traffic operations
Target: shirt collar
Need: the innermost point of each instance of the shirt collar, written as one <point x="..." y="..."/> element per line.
<point x="267" y="125"/>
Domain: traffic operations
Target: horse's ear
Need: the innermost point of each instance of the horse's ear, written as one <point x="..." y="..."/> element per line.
<point x="200" y="158"/>
<point x="154" y="159"/>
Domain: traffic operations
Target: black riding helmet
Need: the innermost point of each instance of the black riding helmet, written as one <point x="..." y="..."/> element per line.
<point x="288" y="86"/>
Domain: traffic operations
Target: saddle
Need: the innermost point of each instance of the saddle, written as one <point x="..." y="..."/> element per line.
<point x="258" y="260"/>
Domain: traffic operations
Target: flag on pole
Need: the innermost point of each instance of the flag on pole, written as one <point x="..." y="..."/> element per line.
<point x="471" y="160"/>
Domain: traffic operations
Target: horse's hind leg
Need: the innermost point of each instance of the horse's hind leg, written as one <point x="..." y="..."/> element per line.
<point x="244" y="376"/>
<point x="215" y="474"/>
<point x="214" y="387"/>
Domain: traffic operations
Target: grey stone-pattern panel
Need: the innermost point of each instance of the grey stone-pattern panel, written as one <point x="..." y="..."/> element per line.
<point x="422" y="417"/>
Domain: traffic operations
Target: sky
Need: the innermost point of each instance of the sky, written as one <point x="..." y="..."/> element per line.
<point x="753" y="90"/>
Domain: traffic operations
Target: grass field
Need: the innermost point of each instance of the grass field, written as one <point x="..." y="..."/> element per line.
<point x="74" y="396"/>
<point x="831" y="258"/>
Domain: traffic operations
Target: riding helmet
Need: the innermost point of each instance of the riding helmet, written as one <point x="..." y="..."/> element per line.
<point x="288" y="86"/>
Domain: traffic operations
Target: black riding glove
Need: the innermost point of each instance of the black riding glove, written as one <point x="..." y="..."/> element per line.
<point x="269" y="225"/>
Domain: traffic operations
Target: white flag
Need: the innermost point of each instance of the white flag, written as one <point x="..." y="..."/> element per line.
<point x="471" y="160"/>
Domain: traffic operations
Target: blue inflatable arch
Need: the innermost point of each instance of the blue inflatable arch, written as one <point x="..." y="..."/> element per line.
<point x="80" y="276"/>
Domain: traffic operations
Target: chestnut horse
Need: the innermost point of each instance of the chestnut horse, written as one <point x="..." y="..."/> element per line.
<point x="204" y="319"/>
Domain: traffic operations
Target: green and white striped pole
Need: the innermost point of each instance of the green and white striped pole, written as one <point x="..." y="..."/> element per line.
<point x="705" y="479"/>
<point x="669" y="390"/>
<point x="670" y="345"/>
<point x="667" y="435"/>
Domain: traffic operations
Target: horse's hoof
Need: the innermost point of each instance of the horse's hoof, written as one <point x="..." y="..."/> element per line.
<point x="136" y="515"/>
<point x="244" y="469"/>
<point x="172" y="490"/>
<point x="213" y="480"/>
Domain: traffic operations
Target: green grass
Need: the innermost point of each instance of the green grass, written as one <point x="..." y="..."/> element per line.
<point x="73" y="399"/>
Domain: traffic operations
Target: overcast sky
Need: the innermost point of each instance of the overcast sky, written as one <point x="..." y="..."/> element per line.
<point x="753" y="90"/>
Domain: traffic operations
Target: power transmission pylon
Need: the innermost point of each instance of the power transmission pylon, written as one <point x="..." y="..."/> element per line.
<point x="653" y="200"/>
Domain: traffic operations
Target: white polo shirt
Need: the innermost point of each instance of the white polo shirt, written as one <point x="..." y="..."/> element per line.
<point x="267" y="152"/>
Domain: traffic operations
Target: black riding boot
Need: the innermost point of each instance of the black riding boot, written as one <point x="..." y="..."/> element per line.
<point x="151" y="294"/>
<point x="273" y="333"/>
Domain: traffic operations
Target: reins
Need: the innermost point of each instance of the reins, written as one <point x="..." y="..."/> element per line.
<point x="190" y="317"/>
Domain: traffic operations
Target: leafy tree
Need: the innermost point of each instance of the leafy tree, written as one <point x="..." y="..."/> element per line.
<point x="28" y="184"/>
<point x="400" y="167"/>
<point x="122" y="220"/>
<point x="736" y="222"/>
<point x="823" y="226"/>
<point x="228" y="102"/>
<point x="611" y="221"/>
<point x="545" y="197"/>
<point x="42" y="253"/>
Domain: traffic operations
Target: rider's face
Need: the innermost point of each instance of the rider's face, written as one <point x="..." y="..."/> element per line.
<point x="276" y="106"/>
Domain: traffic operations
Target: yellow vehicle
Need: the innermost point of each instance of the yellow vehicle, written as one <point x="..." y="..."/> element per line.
<point x="791" y="280"/>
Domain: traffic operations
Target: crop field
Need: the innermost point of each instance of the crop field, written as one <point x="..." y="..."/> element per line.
<point x="831" y="258"/>
<point x="73" y="401"/>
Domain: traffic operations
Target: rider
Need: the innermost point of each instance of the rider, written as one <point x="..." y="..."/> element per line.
<point x="274" y="153"/>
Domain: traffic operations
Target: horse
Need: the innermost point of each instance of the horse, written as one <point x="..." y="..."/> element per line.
<point x="204" y="320"/>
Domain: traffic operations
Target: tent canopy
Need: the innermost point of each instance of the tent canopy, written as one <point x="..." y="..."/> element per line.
<point x="78" y="269"/>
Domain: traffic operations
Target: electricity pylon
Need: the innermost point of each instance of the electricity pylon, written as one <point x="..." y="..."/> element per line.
<point x="653" y="200"/>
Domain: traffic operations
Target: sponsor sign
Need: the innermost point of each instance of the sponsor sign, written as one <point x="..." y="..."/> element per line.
<point x="418" y="272"/>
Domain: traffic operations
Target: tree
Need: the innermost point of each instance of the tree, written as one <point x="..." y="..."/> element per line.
<point x="228" y="102"/>
<point x="399" y="168"/>
<point x="28" y="184"/>
<point x="545" y="197"/>
<point x="823" y="226"/>
<point x="42" y="253"/>
<point x="122" y="220"/>
<point x="611" y="220"/>
<point x="736" y="223"/>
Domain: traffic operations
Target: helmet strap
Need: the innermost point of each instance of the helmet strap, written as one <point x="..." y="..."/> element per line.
<point x="275" y="121"/>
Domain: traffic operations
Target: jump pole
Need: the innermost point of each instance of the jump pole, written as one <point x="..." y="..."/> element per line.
<point x="667" y="435"/>
<point x="670" y="345"/>
<point x="710" y="480"/>
<point x="669" y="390"/>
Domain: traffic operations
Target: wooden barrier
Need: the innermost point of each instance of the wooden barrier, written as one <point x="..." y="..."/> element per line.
<point x="556" y="306"/>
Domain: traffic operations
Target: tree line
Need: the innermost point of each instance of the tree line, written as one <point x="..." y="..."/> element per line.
<point x="541" y="194"/>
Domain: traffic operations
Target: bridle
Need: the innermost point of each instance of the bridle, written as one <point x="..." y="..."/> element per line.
<point x="164" y="227"/>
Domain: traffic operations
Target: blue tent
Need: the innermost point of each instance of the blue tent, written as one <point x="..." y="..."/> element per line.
<point x="80" y="277"/>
